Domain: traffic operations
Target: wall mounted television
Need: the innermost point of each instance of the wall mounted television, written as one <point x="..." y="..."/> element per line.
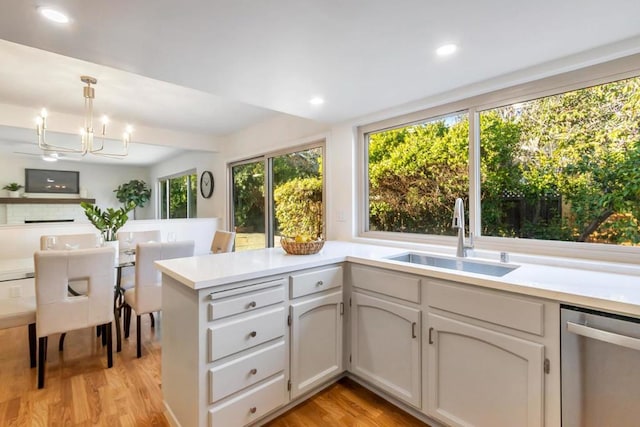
<point x="51" y="181"/>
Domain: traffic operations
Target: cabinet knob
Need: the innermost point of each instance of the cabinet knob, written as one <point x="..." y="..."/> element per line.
<point x="319" y="283"/>
<point x="253" y="371"/>
<point x="253" y="409"/>
<point x="252" y="304"/>
<point x="253" y="334"/>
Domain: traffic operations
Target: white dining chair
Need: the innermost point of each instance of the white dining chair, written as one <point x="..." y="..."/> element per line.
<point x="57" y="311"/>
<point x="61" y="242"/>
<point x="146" y="295"/>
<point x="223" y="241"/>
<point x="128" y="241"/>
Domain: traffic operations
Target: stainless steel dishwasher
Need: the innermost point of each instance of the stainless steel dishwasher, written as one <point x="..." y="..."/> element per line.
<point x="600" y="368"/>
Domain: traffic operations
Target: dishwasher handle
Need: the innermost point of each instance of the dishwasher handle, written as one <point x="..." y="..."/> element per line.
<point x="600" y="335"/>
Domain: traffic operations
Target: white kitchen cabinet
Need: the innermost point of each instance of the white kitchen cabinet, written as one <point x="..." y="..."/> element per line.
<point x="479" y="377"/>
<point x="487" y="357"/>
<point x="385" y="346"/>
<point x="316" y="341"/>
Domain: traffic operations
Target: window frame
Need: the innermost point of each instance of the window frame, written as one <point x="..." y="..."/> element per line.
<point x="267" y="158"/>
<point x="592" y="75"/>
<point x="188" y="173"/>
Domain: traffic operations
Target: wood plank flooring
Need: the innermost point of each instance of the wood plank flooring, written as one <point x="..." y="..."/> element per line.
<point x="345" y="403"/>
<point x="80" y="391"/>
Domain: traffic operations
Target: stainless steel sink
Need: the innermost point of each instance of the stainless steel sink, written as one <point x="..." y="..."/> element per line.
<point x="460" y="264"/>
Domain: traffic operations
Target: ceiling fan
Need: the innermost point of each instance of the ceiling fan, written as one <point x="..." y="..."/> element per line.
<point x="46" y="156"/>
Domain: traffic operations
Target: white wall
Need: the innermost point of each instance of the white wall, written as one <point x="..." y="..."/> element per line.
<point x="200" y="161"/>
<point x="99" y="180"/>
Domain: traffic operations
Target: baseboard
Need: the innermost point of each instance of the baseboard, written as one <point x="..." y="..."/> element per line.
<point x="168" y="414"/>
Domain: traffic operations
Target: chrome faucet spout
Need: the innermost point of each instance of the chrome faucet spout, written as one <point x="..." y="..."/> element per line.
<point x="458" y="223"/>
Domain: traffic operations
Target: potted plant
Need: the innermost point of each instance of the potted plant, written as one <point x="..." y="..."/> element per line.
<point x="135" y="191"/>
<point x="107" y="221"/>
<point x="13" y="188"/>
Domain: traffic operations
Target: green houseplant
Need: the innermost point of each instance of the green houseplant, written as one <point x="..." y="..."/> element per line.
<point x="135" y="191"/>
<point x="107" y="221"/>
<point x="13" y="188"/>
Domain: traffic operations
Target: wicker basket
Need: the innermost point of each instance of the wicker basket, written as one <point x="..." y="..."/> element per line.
<point x="292" y="247"/>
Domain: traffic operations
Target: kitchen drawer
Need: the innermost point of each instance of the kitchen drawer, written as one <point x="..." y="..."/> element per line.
<point x="315" y="281"/>
<point x="245" y="371"/>
<point x="499" y="308"/>
<point x="386" y="282"/>
<point x="244" y="332"/>
<point x="250" y="405"/>
<point x="245" y="302"/>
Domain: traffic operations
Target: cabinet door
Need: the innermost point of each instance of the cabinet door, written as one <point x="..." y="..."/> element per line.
<point x="479" y="377"/>
<point x="385" y="346"/>
<point x="316" y="341"/>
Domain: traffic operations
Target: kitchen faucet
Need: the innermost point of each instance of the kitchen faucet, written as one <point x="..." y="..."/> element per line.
<point x="458" y="223"/>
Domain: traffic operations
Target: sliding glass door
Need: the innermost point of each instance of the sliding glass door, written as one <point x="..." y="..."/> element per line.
<point x="279" y="194"/>
<point x="248" y="181"/>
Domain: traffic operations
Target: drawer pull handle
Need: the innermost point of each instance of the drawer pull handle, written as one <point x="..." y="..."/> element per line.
<point x="253" y="334"/>
<point x="413" y="330"/>
<point x="320" y="283"/>
<point x="253" y="371"/>
<point x="252" y="304"/>
<point x="253" y="409"/>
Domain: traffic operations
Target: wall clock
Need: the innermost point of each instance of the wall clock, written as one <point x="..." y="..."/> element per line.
<point x="206" y="184"/>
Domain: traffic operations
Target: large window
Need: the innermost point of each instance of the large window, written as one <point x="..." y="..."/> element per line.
<point x="415" y="174"/>
<point x="545" y="163"/>
<point x="564" y="167"/>
<point x="280" y="194"/>
<point x="178" y="196"/>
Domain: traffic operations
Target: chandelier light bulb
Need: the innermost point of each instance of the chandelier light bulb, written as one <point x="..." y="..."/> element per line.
<point x="43" y="113"/>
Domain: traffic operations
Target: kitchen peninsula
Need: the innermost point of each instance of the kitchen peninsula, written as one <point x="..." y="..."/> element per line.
<point x="248" y="335"/>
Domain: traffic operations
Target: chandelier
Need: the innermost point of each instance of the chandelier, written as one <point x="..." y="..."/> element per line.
<point x="88" y="143"/>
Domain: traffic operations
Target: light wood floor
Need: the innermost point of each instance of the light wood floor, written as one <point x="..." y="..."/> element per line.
<point x="80" y="391"/>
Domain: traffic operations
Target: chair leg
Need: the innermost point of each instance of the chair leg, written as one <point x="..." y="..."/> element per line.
<point x="32" y="344"/>
<point x="98" y="331"/>
<point x="42" y="357"/>
<point x="138" y="336"/>
<point x="61" y="342"/>
<point x="153" y="320"/>
<point x="104" y="334"/>
<point x="108" y="333"/>
<point x="127" y="320"/>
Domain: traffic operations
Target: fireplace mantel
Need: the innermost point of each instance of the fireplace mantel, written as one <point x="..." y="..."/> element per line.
<point x="43" y="200"/>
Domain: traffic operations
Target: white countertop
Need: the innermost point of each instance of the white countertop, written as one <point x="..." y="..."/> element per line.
<point x="599" y="290"/>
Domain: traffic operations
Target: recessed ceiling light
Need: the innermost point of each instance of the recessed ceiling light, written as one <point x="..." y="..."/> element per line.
<point x="316" y="100"/>
<point x="53" y="15"/>
<point x="446" y="50"/>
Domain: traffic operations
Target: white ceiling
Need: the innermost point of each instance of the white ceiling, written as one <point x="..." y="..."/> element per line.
<point x="221" y="65"/>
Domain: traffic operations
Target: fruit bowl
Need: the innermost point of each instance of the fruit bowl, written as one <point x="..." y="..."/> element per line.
<point x="296" y="247"/>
